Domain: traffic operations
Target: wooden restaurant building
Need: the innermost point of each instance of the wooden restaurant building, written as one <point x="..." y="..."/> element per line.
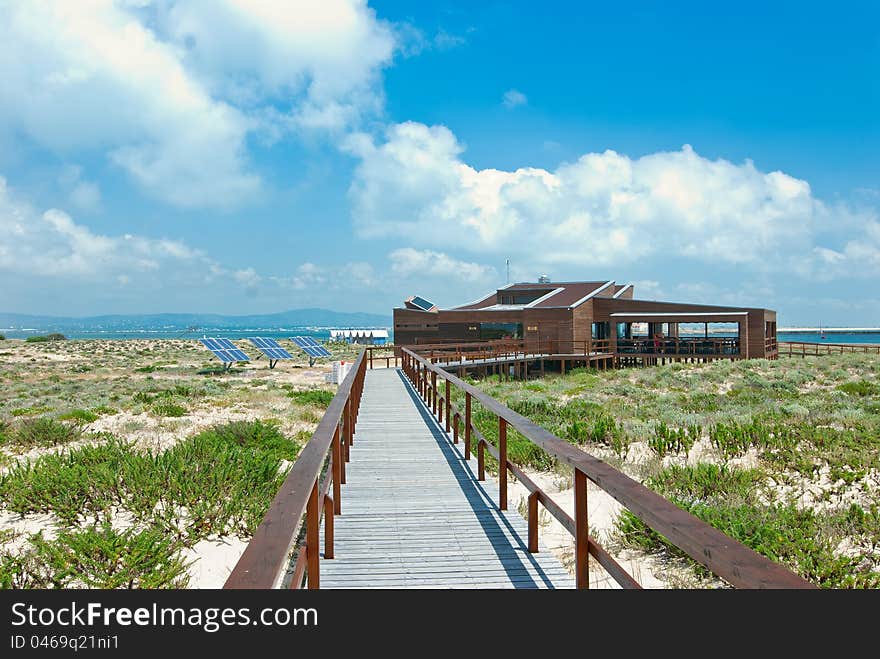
<point x="568" y="317"/>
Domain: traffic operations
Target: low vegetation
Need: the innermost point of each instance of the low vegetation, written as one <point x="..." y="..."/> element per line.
<point x="45" y="338"/>
<point x="127" y="455"/>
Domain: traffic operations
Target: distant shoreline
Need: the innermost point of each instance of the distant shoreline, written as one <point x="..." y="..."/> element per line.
<point x="828" y="330"/>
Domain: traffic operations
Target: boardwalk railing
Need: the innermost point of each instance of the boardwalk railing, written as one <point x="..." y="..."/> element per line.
<point x="389" y="355"/>
<point x="724" y="556"/>
<point x="804" y="348"/>
<point x="304" y="496"/>
<point x="507" y="349"/>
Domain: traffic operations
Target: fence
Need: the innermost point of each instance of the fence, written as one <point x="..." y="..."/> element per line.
<point x="304" y="497"/>
<point x="804" y="348"/>
<point x="724" y="556"/>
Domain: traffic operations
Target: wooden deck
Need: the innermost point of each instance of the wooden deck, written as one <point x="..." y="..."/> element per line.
<point x="414" y="514"/>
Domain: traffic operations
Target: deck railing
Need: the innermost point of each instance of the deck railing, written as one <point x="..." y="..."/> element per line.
<point x="805" y="348"/>
<point x="472" y="351"/>
<point x="724" y="556"/>
<point x="391" y="359"/>
<point x="679" y="346"/>
<point x="305" y="497"/>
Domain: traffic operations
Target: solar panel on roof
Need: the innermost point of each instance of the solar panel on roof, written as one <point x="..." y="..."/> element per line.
<point x="225" y="350"/>
<point x="422" y="303"/>
<point x="311" y="347"/>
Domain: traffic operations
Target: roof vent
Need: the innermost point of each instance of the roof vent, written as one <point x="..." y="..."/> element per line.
<point x="543" y="279"/>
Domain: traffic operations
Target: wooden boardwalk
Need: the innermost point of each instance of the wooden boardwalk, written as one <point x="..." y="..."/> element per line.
<point x="414" y="514"/>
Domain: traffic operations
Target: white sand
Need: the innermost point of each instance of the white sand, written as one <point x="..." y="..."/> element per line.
<point x="213" y="561"/>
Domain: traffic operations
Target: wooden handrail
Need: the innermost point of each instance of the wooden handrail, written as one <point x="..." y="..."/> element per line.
<point x="266" y="558"/>
<point x="390" y="360"/>
<point x="731" y="560"/>
<point x="809" y="348"/>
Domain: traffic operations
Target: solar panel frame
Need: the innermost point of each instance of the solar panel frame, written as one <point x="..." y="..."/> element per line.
<point x="311" y="347"/>
<point x="422" y="303"/>
<point x="226" y="351"/>
<point x="270" y="348"/>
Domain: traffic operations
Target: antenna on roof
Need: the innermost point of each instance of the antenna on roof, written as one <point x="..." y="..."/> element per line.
<point x="507" y="262"/>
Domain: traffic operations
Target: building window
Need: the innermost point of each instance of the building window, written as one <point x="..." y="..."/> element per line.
<point x="524" y="297"/>
<point x="532" y="328"/>
<point x="501" y="331"/>
<point x="600" y="330"/>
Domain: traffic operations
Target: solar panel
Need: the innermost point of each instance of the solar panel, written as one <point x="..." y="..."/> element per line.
<point x="225" y="350"/>
<point x="311" y="347"/>
<point x="270" y="348"/>
<point x="422" y="303"/>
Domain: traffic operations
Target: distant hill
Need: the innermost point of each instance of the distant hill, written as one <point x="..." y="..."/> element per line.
<point x="292" y="318"/>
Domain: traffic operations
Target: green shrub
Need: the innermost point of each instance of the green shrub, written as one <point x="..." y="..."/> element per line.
<point x="318" y="397"/>
<point x="80" y="416"/>
<point x="42" y="432"/>
<point x="219" y="482"/>
<point x="45" y="338"/>
<point x="168" y="408"/>
<point x="101" y="557"/>
<point x="673" y="440"/>
<point x="84" y="482"/>
<point x="256" y="435"/>
<point x="29" y="411"/>
<point x="783" y="534"/>
<point x="706" y="482"/>
<point x="860" y="388"/>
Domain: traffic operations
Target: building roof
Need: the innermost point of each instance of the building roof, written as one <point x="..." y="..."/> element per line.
<point x="560" y="294"/>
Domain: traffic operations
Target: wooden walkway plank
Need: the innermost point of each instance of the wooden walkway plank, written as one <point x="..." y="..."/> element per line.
<point x="414" y="514"/>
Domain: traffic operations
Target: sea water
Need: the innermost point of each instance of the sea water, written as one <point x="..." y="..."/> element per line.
<point x="830" y="337"/>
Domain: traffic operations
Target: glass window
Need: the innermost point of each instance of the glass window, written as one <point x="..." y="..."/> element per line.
<point x="490" y="331"/>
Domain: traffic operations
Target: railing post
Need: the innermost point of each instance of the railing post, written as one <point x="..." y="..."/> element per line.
<point x="582" y="530"/>
<point x="434" y="392"/>
<point x="448" y="406"/>
<point x="349" y="420"/>
<point x="467" y="426"/>
<point x="481" y="461"/>
<point x="313" y="554"/>
<point x="328" y="526"/>
<point x="502" y="463"/>
<point x="346" y="433"/>
<point x="533" y="522"/>
<point x="338" y="469"/>
<point x="455" y="421"/>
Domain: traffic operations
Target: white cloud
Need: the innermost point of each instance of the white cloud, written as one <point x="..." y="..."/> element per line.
<point x="84" y="195"/>
<point x="171" y="91"/>
<point x="604" y="209"/>
<point x="359" y="273"/>
<point x="513" y="98"/>
<point x="412" y="41"/>
<point x="51" y="244"/>
<point x="859" y="256"/>
<point x="647" y="289"/>
<point x="323" y="57"/>
<point x="247" y="277"/>
<point x="409" y="262"/>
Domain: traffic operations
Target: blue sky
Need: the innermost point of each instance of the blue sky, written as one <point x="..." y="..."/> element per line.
<point x="242" y="157"/>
